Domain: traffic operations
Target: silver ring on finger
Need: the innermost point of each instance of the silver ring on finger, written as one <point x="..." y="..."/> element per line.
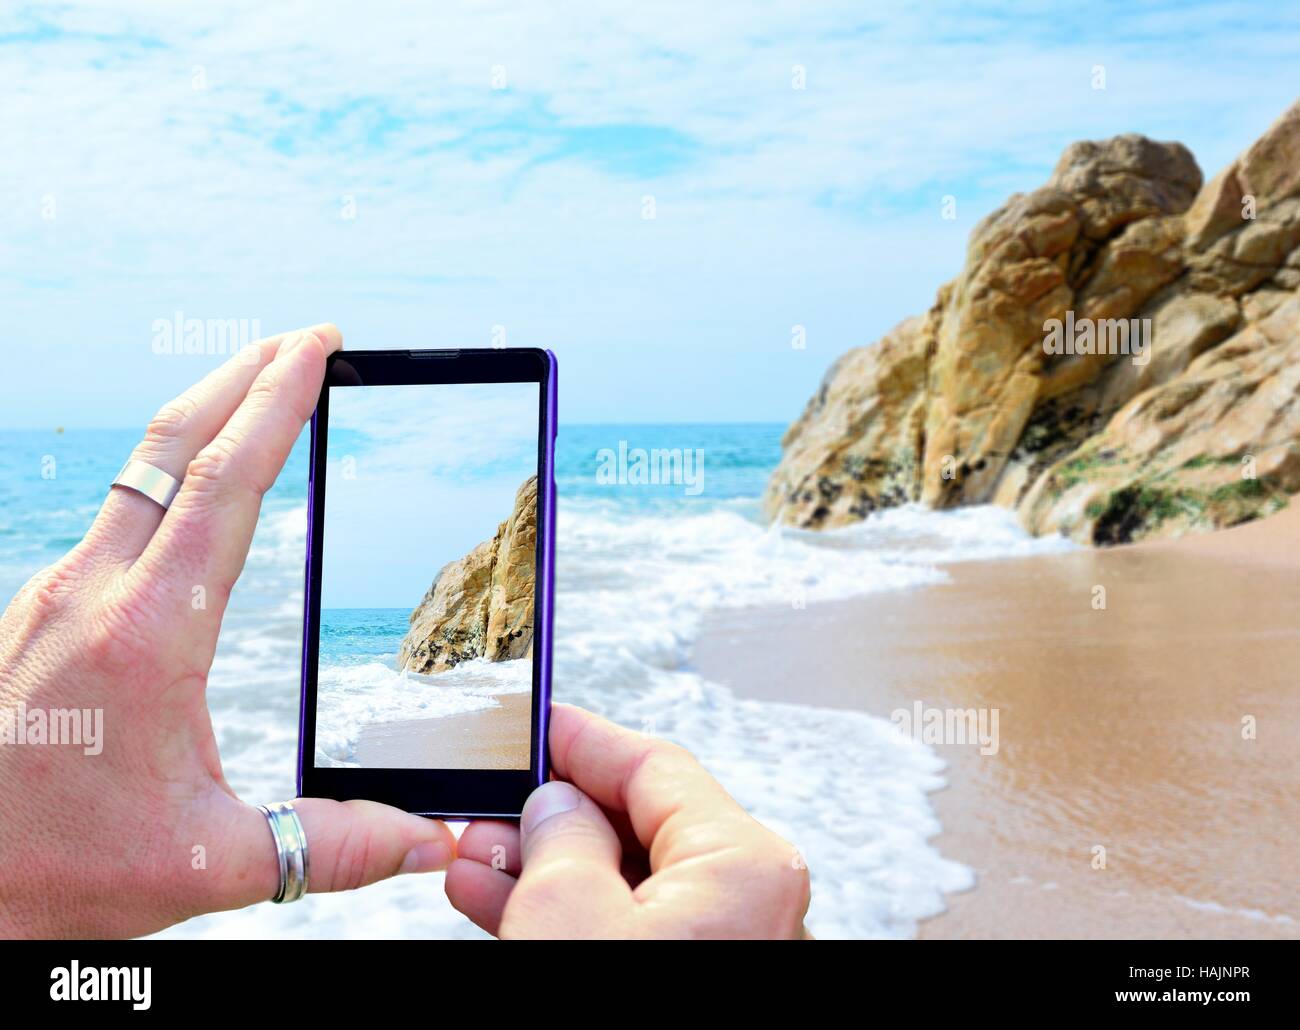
<point x="149" y="480"/>
<point x="290" y="850"/>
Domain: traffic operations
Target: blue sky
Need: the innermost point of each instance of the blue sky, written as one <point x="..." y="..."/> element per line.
<point x="442" y="463"/>
<point x="206" y="159"/>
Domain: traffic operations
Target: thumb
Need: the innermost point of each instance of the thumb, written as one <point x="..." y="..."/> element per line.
<point x="355" y="843"/>
<point x="570" y="885"/>
<point x="349" y="844"/>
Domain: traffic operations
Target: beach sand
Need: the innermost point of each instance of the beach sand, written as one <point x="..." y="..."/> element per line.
<point x="492" y="738"/>
<point x="1120" y="728"/>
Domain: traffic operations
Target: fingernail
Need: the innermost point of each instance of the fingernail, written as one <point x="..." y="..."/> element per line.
<point x="427" y="857"/>
<point x="547" y="800"/>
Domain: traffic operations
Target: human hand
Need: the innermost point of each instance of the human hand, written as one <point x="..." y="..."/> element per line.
<point x="106" y="844"/>
<point x="640" y="842"/>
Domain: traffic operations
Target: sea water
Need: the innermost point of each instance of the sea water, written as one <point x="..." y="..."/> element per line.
<point x="638" y="568"/>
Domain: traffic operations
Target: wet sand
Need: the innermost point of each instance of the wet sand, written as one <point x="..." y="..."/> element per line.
<point x="492" y="738"/>
<point x="1120" y="728"/>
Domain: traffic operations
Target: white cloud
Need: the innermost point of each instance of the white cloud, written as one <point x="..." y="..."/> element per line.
<point x="441" y="464"/>
<point x="478" y="207"/>
<point x="442" y="429"/>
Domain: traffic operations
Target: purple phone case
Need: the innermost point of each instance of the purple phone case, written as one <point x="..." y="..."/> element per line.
<point x="545" y="620"/>
<point x="546" y="592"/>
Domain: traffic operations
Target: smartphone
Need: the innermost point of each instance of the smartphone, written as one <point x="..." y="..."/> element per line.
<point x="426" y="677"/>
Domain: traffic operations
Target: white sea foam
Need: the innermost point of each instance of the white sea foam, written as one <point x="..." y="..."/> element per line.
<point x="845" y="788"/>
<point x="349" y="698"/>
<point x="917" y="534"/>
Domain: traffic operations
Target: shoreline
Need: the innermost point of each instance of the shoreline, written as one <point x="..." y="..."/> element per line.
<point x="1119" y="728"/>
<point x="490" y="738"/>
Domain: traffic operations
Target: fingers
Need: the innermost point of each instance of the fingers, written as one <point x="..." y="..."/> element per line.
<point x="479" y="893"/>
<point x="716" y="871"/>
<point x="205" y="537"/>
<point x="182" y="427"/>
<point x="494" y="844"/>
<point x="570" y="885"/>
<point x="350" y="844"/>
<point x="494" y="847"/>
<point x="666" y="793"/>
<point x="481" y="878"/>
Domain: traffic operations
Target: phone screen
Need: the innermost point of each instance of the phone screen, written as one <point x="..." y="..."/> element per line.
<point x="428" y="577"/>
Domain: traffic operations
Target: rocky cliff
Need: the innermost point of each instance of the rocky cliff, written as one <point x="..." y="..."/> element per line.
<point x="480" y="606"/>
<point x="1179" y="407"/>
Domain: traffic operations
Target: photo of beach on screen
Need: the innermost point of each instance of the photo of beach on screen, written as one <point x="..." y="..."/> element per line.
<point x="428" y="577"/>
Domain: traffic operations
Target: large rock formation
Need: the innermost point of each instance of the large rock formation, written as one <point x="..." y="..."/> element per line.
<point x="480" y="606"/>
<point x="968" y="403"/>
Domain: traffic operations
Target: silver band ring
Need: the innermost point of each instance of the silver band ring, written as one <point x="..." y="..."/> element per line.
<point x="154" y="483"/>
<point x="290" y="850"/>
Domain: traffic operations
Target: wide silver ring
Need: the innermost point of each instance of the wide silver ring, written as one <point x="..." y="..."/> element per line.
<point x="154" y="483"/>
<point x="290" y="850"/>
